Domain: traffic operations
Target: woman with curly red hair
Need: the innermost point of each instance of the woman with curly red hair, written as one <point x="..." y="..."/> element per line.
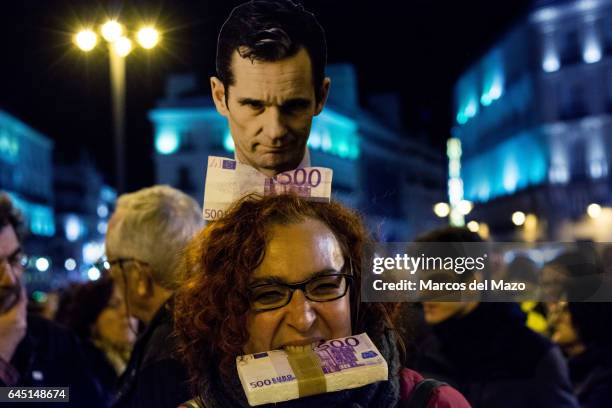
<point x="278" y="242"/>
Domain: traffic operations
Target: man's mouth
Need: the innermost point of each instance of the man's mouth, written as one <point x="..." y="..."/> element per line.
<point x="276" y="150"/>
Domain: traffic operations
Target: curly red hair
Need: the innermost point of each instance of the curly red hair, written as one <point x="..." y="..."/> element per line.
<point x="211" y="307"/>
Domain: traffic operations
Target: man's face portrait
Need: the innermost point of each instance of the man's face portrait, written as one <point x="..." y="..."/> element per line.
<point x="270" y="107"/>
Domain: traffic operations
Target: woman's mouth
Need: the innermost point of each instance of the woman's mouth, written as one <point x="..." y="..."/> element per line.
<point x="302" y="345"/>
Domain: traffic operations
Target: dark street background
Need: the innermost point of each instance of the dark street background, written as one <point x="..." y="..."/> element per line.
<point x="416" y="48"/>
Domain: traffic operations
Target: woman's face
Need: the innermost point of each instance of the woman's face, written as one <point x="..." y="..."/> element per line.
<point x="113" y="324"/>
<point x="295" y="253"/>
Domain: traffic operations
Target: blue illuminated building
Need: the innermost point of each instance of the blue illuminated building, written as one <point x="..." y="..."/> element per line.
<point x="83" y="206"/>
<point x="26" y="174"/>
<point x="534" y="117"/>
<point x="66" y="206"/>
<point x="392" y="179"/>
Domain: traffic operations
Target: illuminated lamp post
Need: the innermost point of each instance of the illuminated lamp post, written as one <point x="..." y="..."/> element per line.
<point x="119" y="46"/>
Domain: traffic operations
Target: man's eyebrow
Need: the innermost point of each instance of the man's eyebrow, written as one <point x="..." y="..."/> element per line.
<point x="297" y="101"/>
<point x="276" y="279"/>
<point x="250" y="101"/>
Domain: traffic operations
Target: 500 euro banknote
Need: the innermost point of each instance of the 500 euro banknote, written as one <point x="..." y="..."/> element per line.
<point x="339" y="364"/>
<point x="228" y="180"/>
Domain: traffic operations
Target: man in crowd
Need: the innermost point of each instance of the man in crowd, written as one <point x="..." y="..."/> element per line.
<point x="270" y="82"/>
<point x="580" y="328"/>
<point x="34" y="352"/>
<point x="144" y="243"/>
<point x="486" y="351"/>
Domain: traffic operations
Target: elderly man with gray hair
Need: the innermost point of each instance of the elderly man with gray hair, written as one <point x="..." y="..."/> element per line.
<point x="145" y="238"/>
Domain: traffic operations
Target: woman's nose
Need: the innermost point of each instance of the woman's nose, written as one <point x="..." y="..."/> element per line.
<point x="300" y="314"/>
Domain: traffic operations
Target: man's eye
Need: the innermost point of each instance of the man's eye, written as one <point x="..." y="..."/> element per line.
<point x="294" y="107"/>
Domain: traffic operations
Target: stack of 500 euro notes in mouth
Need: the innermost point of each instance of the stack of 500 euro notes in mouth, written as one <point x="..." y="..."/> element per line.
<point x="295" y="372"/>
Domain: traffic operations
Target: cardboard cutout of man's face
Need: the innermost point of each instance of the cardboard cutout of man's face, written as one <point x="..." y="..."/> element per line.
<point x="270" y="107"/>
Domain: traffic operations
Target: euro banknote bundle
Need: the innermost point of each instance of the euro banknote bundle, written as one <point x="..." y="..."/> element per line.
<point x="228" y="180"/>
<point x="295" y="372"/>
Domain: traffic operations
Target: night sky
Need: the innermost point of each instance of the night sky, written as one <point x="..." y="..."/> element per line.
<point x="417" y="48"/>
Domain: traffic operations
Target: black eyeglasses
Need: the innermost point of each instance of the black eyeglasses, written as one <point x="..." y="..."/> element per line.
<point x="321" y="288"/>
<point x="107" y="264"/>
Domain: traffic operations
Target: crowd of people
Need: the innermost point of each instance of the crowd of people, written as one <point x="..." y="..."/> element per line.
<point x="179" y="301"/>
<point x="199" y="296"/>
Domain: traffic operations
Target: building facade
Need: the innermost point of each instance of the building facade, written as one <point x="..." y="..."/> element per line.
<point x="534" y="119"/>
<point x="393" y="180"/>
<point x="26" y="174"/>
<point x="65" y="207"/>
<point x="83" y="205"/>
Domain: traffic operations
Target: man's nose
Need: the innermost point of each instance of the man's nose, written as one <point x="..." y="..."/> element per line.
<point x="274" y="125"/>
<point x="300" y="315"/>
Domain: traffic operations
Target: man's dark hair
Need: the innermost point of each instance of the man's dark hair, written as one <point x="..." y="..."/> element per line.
<point x="584" y="274"/>
<point x="271" y="30"/>
<point x="10" y="215"/>
<point x="81" y="305"/>
<point x="455" y="237"/>
<point x="449" y="234"/>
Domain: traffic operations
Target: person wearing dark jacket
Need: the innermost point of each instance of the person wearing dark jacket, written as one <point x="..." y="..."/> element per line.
<point x="282" y="272"/>
<point x="486" y="351"/>
<point x="154" y="373"/>
<point x="50" y="356"/>
<point x="495" y="360"/>
<point x="34" y="352"/>
<point x="580" y="329"/>
<point x="144" y="241"/>
<point x="96" y="312"/>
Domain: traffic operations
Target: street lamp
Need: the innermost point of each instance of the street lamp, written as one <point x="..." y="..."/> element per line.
<point x="112" y="30"/>
<point x="465" y="207"/>
<point x="86" y="40"/>
<point x="119" y="46"/>
<point x="518" y="218"/>
<point x="148" y="37"/>
<point x="473" y="226"/>
<point x="122" y="46"/>
<point x="441" y="209"/>
<point x="594" y="210"/>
